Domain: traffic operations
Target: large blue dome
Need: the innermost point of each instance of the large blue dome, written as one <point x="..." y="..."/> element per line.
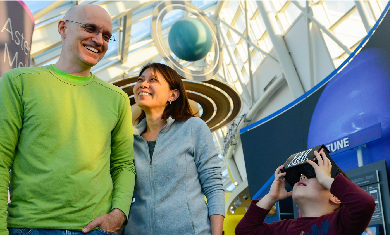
<point x="356" y="98"/>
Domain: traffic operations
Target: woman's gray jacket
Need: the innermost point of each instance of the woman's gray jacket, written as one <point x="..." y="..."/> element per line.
<point x="171" y="185"/>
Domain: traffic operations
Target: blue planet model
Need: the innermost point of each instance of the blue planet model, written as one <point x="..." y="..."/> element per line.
<point x="190" y="39"/>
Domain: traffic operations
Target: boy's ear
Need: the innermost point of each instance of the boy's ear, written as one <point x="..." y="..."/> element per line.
<point x="334" y="200"/>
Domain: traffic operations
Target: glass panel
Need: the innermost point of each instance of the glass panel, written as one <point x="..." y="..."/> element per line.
<point x="113" y="45"/>
<point x="232" y="74"/>
<point x="375" y="7"/>
<point x="226" y="58"/>
<point x="36" y="6"/>
<point x="334" y="49"/>
<point x="277" y="4"/>
<point x="242" y="50"/>
<point x="336" y="9"/>
<point x="245" y="76"/>
<point x="351" y="30"/>
<point x="257" y="27"/>
<point x="201" y="4"/>
<point x="320" y="14"/>
<point x="266" y="44"/>
<point x="234" y="38"/>
<point x="238" y="87"/>
<point x="240" y="24"/>
<point x="256" y="60"/>
<point x="251" y="7"/>
<point x="292" y="13"/>
<point x="239" y="61"/>
<point x="140" y="30"/>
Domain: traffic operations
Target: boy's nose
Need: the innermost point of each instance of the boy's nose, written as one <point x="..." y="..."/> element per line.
<point x="302" y="177"/>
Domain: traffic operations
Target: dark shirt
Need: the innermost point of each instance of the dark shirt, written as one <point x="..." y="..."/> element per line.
<point x="151" y="145"/>
<point x="352" y="218"/>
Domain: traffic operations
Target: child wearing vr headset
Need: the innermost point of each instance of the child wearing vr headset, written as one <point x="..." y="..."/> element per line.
<point x="329" y="203"/>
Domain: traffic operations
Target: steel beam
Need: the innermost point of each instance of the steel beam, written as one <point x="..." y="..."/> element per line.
<point x="363" y="15"/>
<point x="323" y="28"/>
<point x="246" y="39"/>
<point x="127" y="22"/>
<point x="249" y="54"/>
<point x="283" y="54"/>
<point x="234" y="62"/>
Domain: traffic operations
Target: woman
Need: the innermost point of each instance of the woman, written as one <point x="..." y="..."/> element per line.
<point x="176" y="161"/>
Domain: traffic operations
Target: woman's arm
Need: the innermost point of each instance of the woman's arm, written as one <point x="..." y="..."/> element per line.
<point x="209" y="167"/>
<point x="209" y="172"/>
<point x="216" y="224"/>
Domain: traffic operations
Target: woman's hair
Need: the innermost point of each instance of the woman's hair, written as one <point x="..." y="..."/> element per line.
<point x="180" y="108"/>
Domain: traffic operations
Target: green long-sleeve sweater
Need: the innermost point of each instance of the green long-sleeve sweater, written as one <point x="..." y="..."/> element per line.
<point x="69" y="145"/>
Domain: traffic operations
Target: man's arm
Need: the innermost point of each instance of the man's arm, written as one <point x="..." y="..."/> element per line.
<point x="11" y="113"/>
<point x="122" y="171"/>
<point x="122" y="161"/>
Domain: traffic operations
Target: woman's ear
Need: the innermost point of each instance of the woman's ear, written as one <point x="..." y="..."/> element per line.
<point x="174" y="95"/>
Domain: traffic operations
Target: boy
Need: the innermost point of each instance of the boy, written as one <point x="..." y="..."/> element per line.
<point x="328" y="206"/>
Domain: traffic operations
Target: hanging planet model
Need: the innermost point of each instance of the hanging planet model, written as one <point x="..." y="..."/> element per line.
<point x="190" y="39"/>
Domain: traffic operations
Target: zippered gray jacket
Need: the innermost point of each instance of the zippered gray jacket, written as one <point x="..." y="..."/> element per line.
<point x="171" y="185"/>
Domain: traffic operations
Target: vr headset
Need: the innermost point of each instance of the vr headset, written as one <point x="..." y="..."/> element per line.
<point x="296" y="165"/>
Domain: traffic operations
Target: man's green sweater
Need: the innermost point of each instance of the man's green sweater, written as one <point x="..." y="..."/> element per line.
<point x="69" y="145"/>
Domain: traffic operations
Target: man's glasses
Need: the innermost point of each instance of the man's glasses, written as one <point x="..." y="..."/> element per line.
<point x="91" y="28"/>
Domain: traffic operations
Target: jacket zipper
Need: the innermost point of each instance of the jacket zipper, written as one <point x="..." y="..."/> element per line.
<point x="151" y="187"/>
<point x="151" y="181"/>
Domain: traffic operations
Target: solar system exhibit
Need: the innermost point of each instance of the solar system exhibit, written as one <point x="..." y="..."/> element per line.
<point x="348" y="112"/>
<point x="273" y="81"/>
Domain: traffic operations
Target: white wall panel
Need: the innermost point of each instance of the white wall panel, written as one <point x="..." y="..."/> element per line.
<point x="318" y="58"/>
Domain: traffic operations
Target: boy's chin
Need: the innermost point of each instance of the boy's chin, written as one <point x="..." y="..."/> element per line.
<point x="299" y="194"/>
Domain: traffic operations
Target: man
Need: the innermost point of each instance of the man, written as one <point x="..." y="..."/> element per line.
<point x="66" y="138"/>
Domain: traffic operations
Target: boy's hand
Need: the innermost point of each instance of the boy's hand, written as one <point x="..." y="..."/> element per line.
<point x="277" y="191"/>
<point x="323" y="169"/>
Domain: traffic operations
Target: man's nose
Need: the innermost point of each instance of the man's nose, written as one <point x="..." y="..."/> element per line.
<point x="98" y="39"/>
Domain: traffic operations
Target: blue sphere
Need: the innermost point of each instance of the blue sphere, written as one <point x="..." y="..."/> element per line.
<point x="356" y="98"/>
<point x="190" y="39"/>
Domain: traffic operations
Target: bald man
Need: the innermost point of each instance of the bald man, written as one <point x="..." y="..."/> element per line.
<point x="66" y="143"/>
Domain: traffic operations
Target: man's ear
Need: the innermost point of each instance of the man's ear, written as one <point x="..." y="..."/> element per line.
<point x="61" y="28"/>
<point x="334" y="200"/>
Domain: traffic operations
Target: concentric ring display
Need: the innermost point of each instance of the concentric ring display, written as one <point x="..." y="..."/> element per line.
<point x="219" y="102"/>
<point x="159" y="12"/>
